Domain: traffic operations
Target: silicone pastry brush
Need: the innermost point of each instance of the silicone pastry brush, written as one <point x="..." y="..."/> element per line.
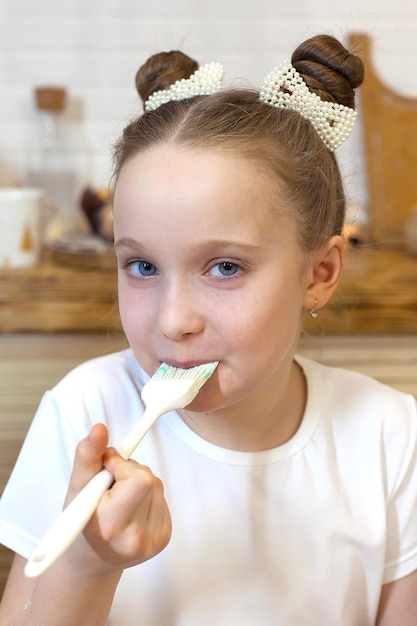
<point x="169" y="388"/>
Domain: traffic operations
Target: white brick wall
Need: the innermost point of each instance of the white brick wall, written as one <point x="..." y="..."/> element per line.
<point x="94" y="48"/>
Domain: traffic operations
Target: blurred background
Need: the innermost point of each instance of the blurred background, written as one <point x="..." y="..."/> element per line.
<point x="94" y="47"/>
<point x="59" y="309"/>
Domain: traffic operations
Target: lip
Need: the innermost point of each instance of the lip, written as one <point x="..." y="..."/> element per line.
<point x="185" y="365"/>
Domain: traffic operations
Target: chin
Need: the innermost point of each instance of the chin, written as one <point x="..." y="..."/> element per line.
<point x="212" y="400"/>
<point x="206" y="401"/>
<point x="201" y="404"/>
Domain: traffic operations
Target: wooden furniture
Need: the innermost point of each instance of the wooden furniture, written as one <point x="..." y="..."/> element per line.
<point x="377" y="294"/>
<point x="390" y="139"/>
<point x="53" y="297"/>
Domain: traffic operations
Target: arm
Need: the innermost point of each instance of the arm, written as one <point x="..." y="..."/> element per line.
<point x="398" y="603"/>
<point x="131" y="524"/>
<point x="76" y="599"/>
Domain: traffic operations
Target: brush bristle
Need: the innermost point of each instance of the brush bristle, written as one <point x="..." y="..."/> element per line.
<point x="203" y="371"/>
<point x="175" y="387"/>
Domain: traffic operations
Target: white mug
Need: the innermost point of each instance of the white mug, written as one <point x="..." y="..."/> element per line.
<point x="21" y="221"/>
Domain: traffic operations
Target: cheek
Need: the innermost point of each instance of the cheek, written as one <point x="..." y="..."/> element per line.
<point x="266" y="324"/>
<point x="137" y="326"/>
<point x="134" y="316"/>
<point x="243" y="332"/>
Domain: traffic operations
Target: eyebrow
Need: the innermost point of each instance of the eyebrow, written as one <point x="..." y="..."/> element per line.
<point x="129" y="242"/>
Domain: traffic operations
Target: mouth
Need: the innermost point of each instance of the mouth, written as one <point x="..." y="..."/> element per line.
<point x="185" y="365"/>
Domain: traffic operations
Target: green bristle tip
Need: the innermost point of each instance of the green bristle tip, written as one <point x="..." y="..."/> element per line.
<point x="204" y="370"/>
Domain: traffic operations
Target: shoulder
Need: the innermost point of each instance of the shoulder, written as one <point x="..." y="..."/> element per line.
<point x="104" y="372"/>
<point x="358" y="393"/>
<point x="362" y="410"/>
<point x="368" y="431"/>
<point x="105" y="389"/>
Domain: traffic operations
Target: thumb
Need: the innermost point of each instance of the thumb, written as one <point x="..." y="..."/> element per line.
<point x="88" y="459"/>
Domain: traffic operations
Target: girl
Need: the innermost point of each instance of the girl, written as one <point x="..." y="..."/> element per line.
<point x="286" y="492"/>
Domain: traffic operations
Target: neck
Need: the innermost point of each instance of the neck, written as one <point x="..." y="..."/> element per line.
<point x="260" y="422"/>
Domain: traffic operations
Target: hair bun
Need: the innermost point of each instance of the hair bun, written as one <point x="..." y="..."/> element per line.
<point x="329" y="70"/>
<point x="162" y="70"/>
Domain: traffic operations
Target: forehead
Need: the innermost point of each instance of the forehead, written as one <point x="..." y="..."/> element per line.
<point x="183" y="194"/>
<point x="202" y="173"/>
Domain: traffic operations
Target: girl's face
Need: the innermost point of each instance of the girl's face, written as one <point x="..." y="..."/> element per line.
<point x="209" y="270"/>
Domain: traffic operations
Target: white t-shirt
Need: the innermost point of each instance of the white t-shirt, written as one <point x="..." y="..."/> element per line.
<point x="302" y="534"/>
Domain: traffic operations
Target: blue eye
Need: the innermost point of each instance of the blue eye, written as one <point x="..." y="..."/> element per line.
<point x="142" y="269"/>
<point x="225" y="269"/>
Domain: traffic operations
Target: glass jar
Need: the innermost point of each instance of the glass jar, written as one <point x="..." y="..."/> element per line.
<point x="58" y="163"/>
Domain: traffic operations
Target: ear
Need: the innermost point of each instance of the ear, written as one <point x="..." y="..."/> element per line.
<point x="325" y="271"/>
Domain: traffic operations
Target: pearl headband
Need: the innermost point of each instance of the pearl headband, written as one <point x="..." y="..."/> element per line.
<point x="284" y="88"/>
<point x="205" y="81"/>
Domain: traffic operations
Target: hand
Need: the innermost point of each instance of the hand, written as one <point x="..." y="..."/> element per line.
<point x="132" y="522"/>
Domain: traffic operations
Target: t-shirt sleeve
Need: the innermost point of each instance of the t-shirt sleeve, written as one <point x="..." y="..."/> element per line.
<point x="401" y="547"/>
<point x="106" y="390"/>
<point x="37" y="487"/>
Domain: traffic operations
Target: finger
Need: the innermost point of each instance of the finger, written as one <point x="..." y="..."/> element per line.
<point x="136" y="491"/>
<point x="134" y="485"/>
<point x="88" y="458"/>
<point x="134" y="512"/>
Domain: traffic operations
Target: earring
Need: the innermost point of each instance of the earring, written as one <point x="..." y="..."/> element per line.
<point x="314" y="312"/>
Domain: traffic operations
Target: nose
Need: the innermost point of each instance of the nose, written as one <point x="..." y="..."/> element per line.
<point x="180" y="313"/>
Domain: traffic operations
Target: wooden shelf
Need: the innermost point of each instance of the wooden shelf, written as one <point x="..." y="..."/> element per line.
<point x="52" y="297"/>
<point x="377" y="294"/>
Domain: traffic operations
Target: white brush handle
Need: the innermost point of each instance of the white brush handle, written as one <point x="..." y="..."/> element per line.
<point x="69" y="524"/>
<point x="77" y="514"/>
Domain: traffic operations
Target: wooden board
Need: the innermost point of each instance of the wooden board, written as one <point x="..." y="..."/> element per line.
<point x="390" y="138"/>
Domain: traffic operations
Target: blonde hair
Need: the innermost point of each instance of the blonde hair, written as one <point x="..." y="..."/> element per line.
<point x="279" y="141"/>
